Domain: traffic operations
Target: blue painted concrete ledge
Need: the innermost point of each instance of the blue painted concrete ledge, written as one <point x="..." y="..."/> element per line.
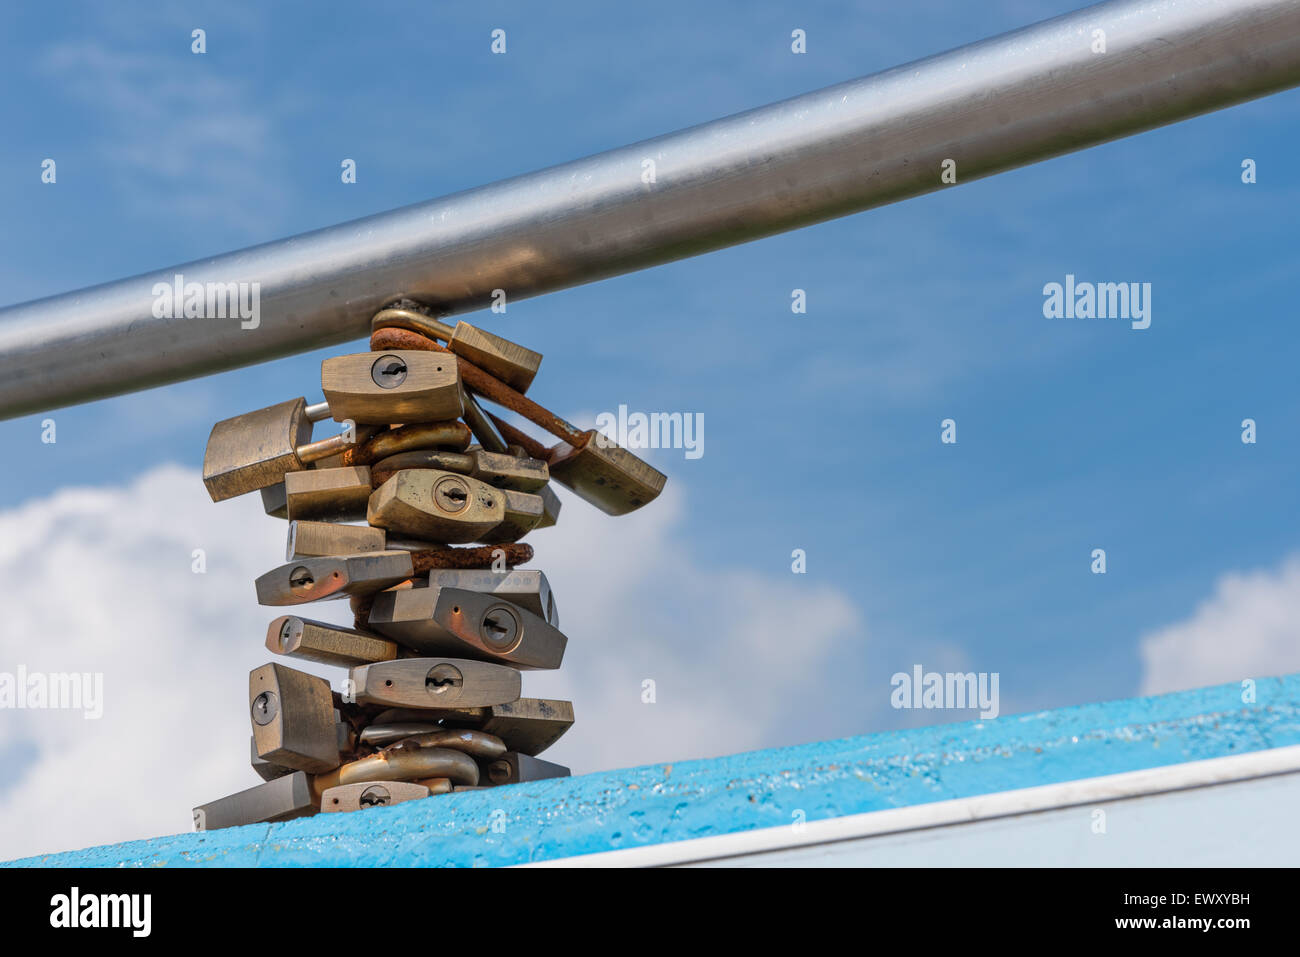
<point x="671" y="802"/>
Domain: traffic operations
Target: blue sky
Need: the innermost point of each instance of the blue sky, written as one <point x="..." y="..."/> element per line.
<point x="821" y="431"/>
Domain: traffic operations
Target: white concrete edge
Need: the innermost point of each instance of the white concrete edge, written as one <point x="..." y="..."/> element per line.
<point x="1097" y="790"/>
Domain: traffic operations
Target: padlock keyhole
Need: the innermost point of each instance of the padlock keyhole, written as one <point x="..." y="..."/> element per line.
<point x="388" y="372"/>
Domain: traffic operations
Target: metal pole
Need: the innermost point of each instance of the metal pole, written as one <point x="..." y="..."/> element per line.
<point x="991" y="106"/>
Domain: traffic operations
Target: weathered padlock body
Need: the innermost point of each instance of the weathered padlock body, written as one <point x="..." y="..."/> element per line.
<point x="508" y="361"/>
<point x="550" y="507"/>
<point x="335" y="576"/>
<point x="310" y="539"/>
<point x="433" y="683"/>
<point x="293" y="718"/>
<point x="524" y="512"/>
<point x="526" y="587"/>
<point x="380" y="388"/>
<point x="454" y="621"/>
<point x="328" y="495"/>
<point x="255" y="450"/>
<point x="436" y="506"/>
<point x="503" y="470"/>
<point x="273" y="501"/>
<point x="605" y="475"/>
<point x="360" y="795"/>
<point x="327" y="644"/>
<point x="262" y="767"/>
<point x="281" y="799"/>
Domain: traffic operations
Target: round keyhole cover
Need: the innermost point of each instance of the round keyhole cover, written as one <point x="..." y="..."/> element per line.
<point x="375" y="796"/>
<point x="499" y="629"/>
<point x="265" y="707"/>
<point x="388" y="372"/>
<point x="451" y="494"/>
<point x="290" y="635"/>
<point x="300" y="579"/>
<point x="444" y="680"/>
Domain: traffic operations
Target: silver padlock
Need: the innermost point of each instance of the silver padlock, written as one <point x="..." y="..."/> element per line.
<point x="526" y="587"/>
<point x="455" y="621"/>
<point x="338" y="576"/>
<point x="436" y="506"/>
<point x="432" y="683"/>
<point x="282" y="799"/>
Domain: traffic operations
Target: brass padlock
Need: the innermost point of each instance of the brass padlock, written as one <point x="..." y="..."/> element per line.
<point x="257" y="449"/>
<point x="589" y="464"/>
<point x="380" y="388"/>
<point x="506" y="360"/>
<point x="322" y="539"/>
<point x="328" y="495"/>
<point x="335" y="576"/>
<point x="326" y="644"/>
<point x="364" y="794"/>
<point x="432" y="683"/>
<point x="436" y="506"/>
<point x="294" y="723"/>
<point x="412" y="764"/>
<point x="515" y="768"/>
<point x="282" y="799"/>
<point x="455" y="621"/>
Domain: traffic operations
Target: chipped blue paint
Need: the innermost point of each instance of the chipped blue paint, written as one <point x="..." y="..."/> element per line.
<point x="670" y="802"/>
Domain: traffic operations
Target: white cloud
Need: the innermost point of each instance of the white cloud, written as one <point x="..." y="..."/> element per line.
<point x="1249" y="628"/>
<point x="100" y="580"/>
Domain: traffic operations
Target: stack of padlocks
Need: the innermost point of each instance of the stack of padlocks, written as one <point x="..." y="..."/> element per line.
<point x="409" y="722"/>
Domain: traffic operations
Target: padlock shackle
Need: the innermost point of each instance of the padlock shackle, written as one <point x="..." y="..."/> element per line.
<point x="996" y="105"/>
